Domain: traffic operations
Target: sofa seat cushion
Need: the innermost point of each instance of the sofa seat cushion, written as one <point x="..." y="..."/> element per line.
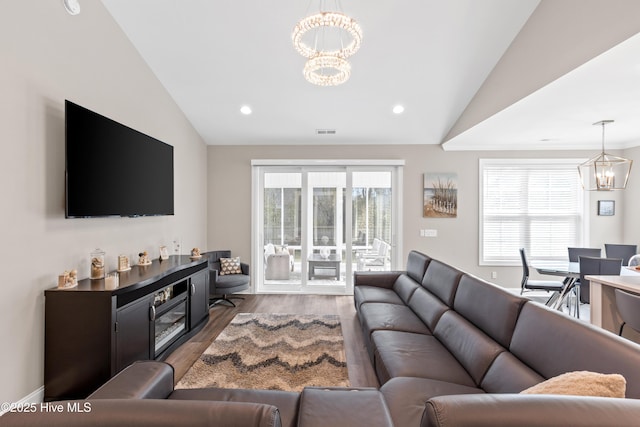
<point x="407" y="397"/>
<point x="375" y="316"/>
<point x="231" y="281"/>
<point x="380" y="316"/>
<point x="286" y="402"/>
<point x="365" y="294"/>
<point x="406" y="354"/>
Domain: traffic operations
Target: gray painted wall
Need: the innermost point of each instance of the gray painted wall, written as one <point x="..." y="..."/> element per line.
<point x="229" y="199"/>
<point x="49" y="56"/>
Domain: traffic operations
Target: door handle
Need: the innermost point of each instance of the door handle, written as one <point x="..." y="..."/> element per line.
<point x="193" y="289"/>
<point x="152" y="313"/>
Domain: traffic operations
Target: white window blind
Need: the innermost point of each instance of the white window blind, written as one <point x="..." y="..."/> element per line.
<point x="536" y="204"/>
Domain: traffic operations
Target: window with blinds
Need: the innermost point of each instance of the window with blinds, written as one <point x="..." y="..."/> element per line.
<point x="536" y="204"/>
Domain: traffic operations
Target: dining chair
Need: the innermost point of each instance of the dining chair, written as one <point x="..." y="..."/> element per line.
<point x="575" y="253"/>
<point x="574" y="256"/>
<point x="628" y="305"/>
<point x="597" y="267"/>
<point x="538" y="285"/>
<point x="624" y="252"/>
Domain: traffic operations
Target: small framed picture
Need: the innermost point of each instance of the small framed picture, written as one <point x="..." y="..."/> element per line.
<point x="164" y="253"/>
<point x="606" y="207"/>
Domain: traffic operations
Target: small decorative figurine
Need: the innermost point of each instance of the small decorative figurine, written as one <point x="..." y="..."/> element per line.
<point x="68" y="279"/>
<point x="143" y="258"/>
<point x="123" y="263"/>
<point x="195" y="253"/>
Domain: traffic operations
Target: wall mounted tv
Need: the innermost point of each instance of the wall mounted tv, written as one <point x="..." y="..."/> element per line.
<point x="113" y="170"/>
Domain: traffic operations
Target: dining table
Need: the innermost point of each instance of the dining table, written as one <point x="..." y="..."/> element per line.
<point x="571" y="272"/>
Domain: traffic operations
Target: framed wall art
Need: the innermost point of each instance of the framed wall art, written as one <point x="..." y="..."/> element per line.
<point x="440" y="195"/>
<point x="606" y="207"/>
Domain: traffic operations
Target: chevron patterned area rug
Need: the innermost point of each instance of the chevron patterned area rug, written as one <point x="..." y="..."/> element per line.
<point x="273" y="351"/>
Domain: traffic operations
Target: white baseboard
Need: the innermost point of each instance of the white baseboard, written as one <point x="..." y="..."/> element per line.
<point x="36" y="396"/>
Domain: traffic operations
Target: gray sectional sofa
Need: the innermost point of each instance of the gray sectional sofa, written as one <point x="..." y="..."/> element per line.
<point x="449" y="349"/>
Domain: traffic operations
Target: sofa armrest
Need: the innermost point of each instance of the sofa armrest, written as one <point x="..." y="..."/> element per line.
<point x="145" y="413"/>
<point x="381" y="279"/>
<point x="496" y="410"/>
<point x="140" y="380"/>
<point x="245" y="268"/>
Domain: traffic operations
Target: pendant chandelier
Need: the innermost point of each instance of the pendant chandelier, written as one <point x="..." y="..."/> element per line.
<point x="605" y="172"/>
<point x="321" y="39"/>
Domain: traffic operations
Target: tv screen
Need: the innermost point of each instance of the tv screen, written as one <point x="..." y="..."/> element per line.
<point x="113" y="170"/>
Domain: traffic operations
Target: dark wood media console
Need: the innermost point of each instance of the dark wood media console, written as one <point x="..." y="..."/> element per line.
<point x="92" y="332"/>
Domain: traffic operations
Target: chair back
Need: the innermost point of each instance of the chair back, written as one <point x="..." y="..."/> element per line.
<point x="525" y="269"/>
<point x="597" y="267"/>
<point x="624" y="252"/>
<point x="629" y="308"/>
<point x="575" y="253"/>
<point x="214" y="258"/>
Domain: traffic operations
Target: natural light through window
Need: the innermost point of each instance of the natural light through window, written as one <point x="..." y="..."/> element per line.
<point x="536" y="204"/>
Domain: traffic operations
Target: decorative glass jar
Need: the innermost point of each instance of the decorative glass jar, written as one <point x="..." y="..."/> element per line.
<point x="97" y="264"/>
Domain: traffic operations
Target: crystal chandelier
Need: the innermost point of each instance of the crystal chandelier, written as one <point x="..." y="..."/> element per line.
<point x="320" y="38"/>
<point x="605" y="172"/>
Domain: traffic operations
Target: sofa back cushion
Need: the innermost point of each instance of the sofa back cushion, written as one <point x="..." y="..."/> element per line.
<point x="473" y="349"/>
<point x="427" y="306"/>
<point x="416" y="265"/>
<point x="490" y="308"/>
<point x="552" y="343"/>
<point x="508" y="374"/>
<point x="441" y="280"/>
<point x="405" y="286"/>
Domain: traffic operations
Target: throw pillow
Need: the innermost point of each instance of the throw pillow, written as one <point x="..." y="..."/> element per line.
<point x="582" y="383"/>
<point x="230" y="266"/>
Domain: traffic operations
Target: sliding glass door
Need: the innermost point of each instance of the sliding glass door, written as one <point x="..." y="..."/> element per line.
<point x="315" y="225"/>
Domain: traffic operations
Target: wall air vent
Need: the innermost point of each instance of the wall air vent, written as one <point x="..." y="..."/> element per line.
<point x="325" y="131"/>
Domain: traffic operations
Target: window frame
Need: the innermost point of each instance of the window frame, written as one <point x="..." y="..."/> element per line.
<point x="528" y="164"/>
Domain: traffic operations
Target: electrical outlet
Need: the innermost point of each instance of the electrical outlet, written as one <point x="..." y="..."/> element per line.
<point x="494" y="274"/>
<point x="430" y="233"/>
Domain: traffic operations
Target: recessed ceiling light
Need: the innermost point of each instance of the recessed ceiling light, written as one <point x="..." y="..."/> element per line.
<point x="245" y="109"/>
<point x="398" y="109"/>
<point x="72" y="7"/>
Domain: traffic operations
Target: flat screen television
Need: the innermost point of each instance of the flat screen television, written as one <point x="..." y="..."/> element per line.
<point x="113" y="170"/>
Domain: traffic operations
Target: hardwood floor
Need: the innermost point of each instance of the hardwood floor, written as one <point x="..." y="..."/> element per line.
<point x="361" y="373"/>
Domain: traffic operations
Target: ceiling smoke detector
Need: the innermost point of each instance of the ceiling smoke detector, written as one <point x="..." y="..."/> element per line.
<point x="325" y="131"/>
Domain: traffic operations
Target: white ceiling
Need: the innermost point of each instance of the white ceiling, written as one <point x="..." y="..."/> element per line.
<point x="559" y="116"/>
<point x="214" y="56"/>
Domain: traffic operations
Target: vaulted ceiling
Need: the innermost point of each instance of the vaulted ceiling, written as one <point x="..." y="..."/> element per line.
<point x="471" y="74"/>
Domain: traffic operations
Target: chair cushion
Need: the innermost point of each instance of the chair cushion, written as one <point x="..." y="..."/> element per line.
<point x="230" y="266"/>
<point x="231" y="281"/>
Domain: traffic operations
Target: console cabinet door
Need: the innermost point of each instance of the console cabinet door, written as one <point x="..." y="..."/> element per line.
<point x="199" y="297"/>
<point x="134" y="333"/>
